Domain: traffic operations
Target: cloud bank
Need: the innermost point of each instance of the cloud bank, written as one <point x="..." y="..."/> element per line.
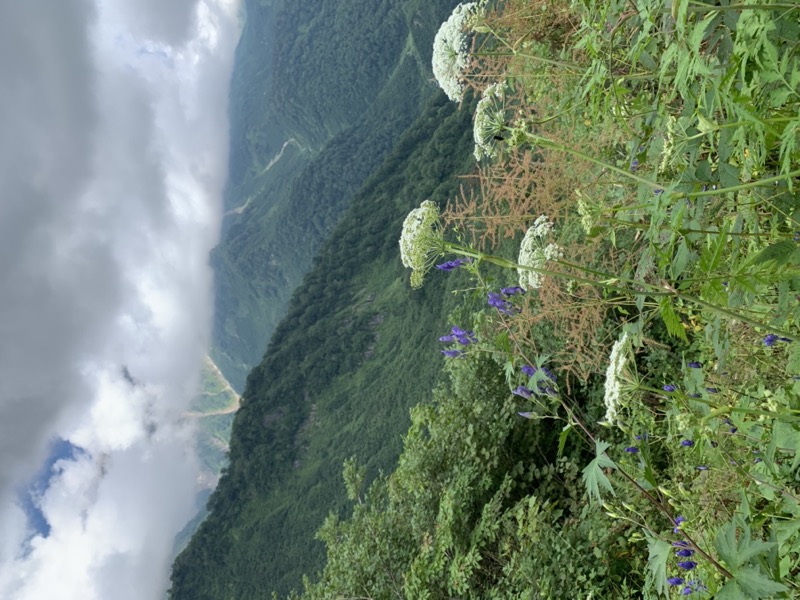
<point x="112" y="162"/>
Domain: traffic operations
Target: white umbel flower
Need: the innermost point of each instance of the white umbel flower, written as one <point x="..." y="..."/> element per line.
<point x="420" y="240"/>
<point x="613" y="386"/>
<point x="450" y="56"/>
<point x="490" y="121"/>
<point x="535" y="254"/>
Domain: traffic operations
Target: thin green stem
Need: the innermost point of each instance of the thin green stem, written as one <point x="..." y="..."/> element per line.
<point x="542" y="141"/>
<point x="743" y="186"/>
<point x="609" y="281"/>
<point x="703" y="7"/>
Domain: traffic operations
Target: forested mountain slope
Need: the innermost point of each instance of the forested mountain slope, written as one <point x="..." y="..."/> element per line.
<point x="321" y="91"/>
<point x="356" y="350"/>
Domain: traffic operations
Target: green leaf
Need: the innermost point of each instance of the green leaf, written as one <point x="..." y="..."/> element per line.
<point x="728" y="175"/>
<point x="731" y="591"/>
<point x="562" y="438"/>
<point x="757" y="584"/>
<point x="780" y="253"/>
<point x="786" y="529"/>
<point x="593" y="476"/>
<point x="738" y="551"/>
<point x="671" y="319"/>
<point x="680" y="260"/>
<point x="659" y="553"/>
<point x="509" y="371"/>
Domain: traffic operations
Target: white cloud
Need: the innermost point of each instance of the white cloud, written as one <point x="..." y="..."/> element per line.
<point x="111" y="172"/>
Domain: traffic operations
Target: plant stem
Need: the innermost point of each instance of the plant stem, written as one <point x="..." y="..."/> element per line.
<point x="703" y="7"/>
<point x="608" y="280"/>
<point x="743" y="186"/>
<point x="535" y="139"/>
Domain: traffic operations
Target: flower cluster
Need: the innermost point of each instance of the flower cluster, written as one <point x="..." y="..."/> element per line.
<point x="490" y="121"/>
<point x="460" y="336"/>
<point x="498" y="300"/>
<point x="533" y="254"/>
<point x="613" y="385"/>
<point x="420" y="241"/>
<point x="684" y="553"/>
<point x="544" y="387"/>
<point x="450" y="56"/>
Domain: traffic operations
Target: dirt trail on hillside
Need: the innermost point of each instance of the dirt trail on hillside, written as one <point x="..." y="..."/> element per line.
<point x="234" y="404"/>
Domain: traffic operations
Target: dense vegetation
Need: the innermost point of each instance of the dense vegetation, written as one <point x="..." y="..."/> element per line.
<point x="353" y="354"/>
<point x="320" y="94"/>
<point x="657" y="278"/>
<point x="620" y="416"/>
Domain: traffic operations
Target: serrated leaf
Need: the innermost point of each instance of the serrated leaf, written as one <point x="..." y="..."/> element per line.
<point x="738" y="551"/>
<point x="728" y="175"/>
<point x="671" y="319"/>
<point x="680" y="260"/>
<point x="731" y="591"/>
<point x="659" y="553"/>
<point x="593" y="476"/>
<point x="779" y="253"/>
<point x="756" y="584"/>
<point x="785" y="530"/>
<point x="509" y="371"/>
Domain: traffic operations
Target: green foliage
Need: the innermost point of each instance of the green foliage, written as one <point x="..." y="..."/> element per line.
<point x="321" y="93"/>
<point x="688" y="207"/>
<point x="659" y="552"/>
<point x="593" y="476"/>
<point x="356" y="349"/>
<point x="464" y="513"/>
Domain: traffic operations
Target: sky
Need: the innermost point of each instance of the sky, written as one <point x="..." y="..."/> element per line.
<point x="113" y="157"/>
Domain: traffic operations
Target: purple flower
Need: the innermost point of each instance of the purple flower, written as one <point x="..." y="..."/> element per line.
<point x="497" y="301"/>
<point x="512" y="291"/>
<point x="687" y="590"/>
<point x="694" y="365"/>
<point x="701" y="468"/>
<point x="634" y="165"/>
<point x="734" y="429"/>
<point x="641" y="437"/>
<point x="681" y="543"/>
<point x="453" y="264"/>
<point x="527" y="415"/>
<point x="678" y="520"/>
<point x="632" y="450"/>
<point x="658" y="192"/>
<point x="452" y="353"/>
<point x="669" y="388"/>
<point x="549" y="373"/>
<point x="528" y="370"/>
<point x="523" y="391"/>
<point x="712" y="390"/>
<point x="771" y="339"/>
<point x="458" y="331"/>
<point x="447" y="338"/>
<point x="675" y="580"/>
<point x="687" y="443"/>
<point x="688" y="565"/>
<point x="684" y="552"/>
